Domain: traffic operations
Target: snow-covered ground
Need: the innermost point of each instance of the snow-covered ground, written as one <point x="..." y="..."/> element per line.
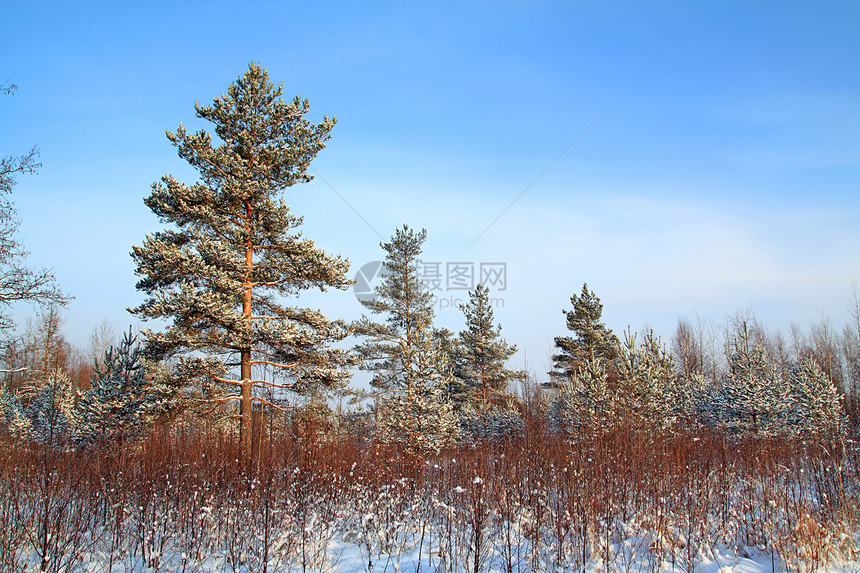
<point x="612" y="503"/>
<point x="346" y="557"/>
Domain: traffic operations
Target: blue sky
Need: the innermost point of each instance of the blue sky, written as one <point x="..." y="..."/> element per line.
<point x="721" y="172"/>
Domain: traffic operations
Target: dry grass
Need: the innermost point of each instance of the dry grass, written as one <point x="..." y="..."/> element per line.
<point x="620" y="497"/>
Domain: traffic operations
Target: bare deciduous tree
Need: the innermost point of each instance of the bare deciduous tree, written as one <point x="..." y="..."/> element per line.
<point x="18" y="282"/>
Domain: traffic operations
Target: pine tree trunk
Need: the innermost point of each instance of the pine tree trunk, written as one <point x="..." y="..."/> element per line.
<point x="245" y="408"/>
<point x="485" y="395"/>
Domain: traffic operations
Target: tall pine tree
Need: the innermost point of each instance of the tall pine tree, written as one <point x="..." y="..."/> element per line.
<point x="592" y="340"/>
<point x="233" y="253"/>
<point x="482" y="352"/>
<point x="410" y="365"/>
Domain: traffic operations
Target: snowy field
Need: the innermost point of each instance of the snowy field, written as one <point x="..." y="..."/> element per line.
<point x="347" y="558"/>
<point x="613" y="502"/>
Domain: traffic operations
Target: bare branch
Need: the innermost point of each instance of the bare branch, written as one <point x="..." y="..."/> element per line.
<point x="13" y="370"/>
<point x="7" y="89"/>
<point x="226" y="381"/>
<point x="275" y="364"/>
<point x="217" y="400"/>
<point x="275" y="406"/>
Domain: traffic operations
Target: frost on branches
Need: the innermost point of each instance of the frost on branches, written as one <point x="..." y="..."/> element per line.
<point x="585" y="401"/>
<point x="13" y="418"/>
<point x="410" y="366"/>
<point x="481" y="354"/>
<point x="580" y="374"/>
<point x="233" y="253"/>
<point x="51" y="410"/>
<point x="121" y="401"/>
<point x="758" y="397"/>
<point x="592" y="339"/>
<point x="601" y="383"/>
<point x="816" y="409"/>
<point x="649" y="395"/>
<point x="753" y="394"/>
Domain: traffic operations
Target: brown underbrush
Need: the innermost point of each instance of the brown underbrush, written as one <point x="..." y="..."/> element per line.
<point x="181" y="500"/>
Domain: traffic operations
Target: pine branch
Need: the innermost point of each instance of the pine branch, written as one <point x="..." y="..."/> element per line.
<point x="275" y="364"/>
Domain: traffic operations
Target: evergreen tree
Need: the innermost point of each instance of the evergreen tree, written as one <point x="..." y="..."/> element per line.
<point x="411" y="369"/>
<point x="815" y="410"/>
<point x="448" y="344"/>
<point x="753" y="396"/>
<point x="221" y="273"/>
<point x="121" y="401"/>
<point x="585" y="400"/>
<point x="13" y="416"/>
<point x="482" y="352"/>
<point x="592" y="339"/>
<point x="761" y="395"/>
<point x="648" y="394"/>
<point x="420" y="415"/>
<point x="491" y="425"/>
<point x="51" y="410"/>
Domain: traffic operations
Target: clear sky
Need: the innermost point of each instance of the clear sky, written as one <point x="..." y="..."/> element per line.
<point x="684" y="158"/>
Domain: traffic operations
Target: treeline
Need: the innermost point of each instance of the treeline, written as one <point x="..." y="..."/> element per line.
<point x="629" y="453"/>
<point x="759" y="386"/>
<point x="432" y="388"/>
<point x="223" y="276"/>
<point x="323" y="496"/>
<point x="699" y="349"/>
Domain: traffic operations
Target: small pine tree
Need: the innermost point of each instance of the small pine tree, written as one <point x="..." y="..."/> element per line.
<point x="594" y="399"/>
<point x="753" y="396"/>
<point x="420" y="416"/>
<point x="51" y="410"/>
<point x="592" y="339"/>
<point x="412" y="371"/>
<point x="815" y="410"/>
<point x="13" y="416"/>
<point x="647" y="391"/>
<point x="121" y="400"/>
<point x="482" y="353"/>
<point x="491" y="425"/>
<point x="585" y="401"/>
